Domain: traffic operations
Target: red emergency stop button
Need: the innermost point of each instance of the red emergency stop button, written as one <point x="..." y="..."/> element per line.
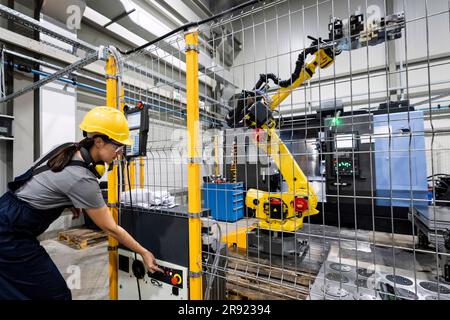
<point x="300" y="204"/>
<point x="258" y="135"/>
<point x="176" y="279"/>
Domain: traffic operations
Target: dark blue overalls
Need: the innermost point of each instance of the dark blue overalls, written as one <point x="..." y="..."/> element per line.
<point x="26" y="269"/>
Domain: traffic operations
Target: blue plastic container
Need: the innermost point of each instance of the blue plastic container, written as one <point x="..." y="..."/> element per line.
<point x="226" y="200"/>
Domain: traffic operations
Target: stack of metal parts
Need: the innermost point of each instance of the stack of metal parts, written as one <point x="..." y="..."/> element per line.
<point x="433" y="222"/>
<point x="344" y="282"/>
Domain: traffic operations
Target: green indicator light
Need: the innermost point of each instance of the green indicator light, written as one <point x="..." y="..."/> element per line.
<point x="336" y="121"/>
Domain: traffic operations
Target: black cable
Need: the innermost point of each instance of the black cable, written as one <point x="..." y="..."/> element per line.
<point x="440" y="181"/>
<point x="189" y="25"/>
<point x="239" y="110"/>
<point x="299" y="64"/>
<point x="264" y="78"/>
<point x="439" y="175"/>
<point x="132" y="212"/>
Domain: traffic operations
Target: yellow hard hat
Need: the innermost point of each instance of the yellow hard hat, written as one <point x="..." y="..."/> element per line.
<point x="108" y="121"/>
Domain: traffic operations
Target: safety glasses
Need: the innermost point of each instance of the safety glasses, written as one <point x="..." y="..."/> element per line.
<point x="119" y="149"/>
<point x="118" y="146"/>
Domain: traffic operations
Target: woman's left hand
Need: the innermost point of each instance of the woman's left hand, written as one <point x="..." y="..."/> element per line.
<point x="76" y="212"/>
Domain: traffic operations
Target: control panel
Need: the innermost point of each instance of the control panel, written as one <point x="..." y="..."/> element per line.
<point x="137" y="283"/>
<point x="349" y="158"/>
<point x="345" y="154"/>
<point x="345" y="166"/>
<point x="170" y="276"/>
<point x="138" y="123"/>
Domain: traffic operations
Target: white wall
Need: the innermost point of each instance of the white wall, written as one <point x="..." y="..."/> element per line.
<point x="58" y="106"/>
<point x="273" y="39"/>
<point x="23" y="126"/>
<point x="438" y="28"/>
<point x="58" y="100"/>
<point x="437" y="148"/>
<point x="269" y="48"/>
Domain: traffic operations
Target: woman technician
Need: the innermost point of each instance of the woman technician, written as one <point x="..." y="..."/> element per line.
<point x="66" y="177"/>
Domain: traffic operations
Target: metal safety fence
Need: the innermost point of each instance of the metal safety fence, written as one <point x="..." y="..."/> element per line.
<point x="283" y="150"/>
<point x="322" y="143"/>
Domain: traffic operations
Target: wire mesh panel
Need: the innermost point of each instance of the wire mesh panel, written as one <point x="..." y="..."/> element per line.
<point x="154" y="187"/>
<point x="323" y="143"/>
<point x="148" y="84"/>
<point x="362" y="126"/>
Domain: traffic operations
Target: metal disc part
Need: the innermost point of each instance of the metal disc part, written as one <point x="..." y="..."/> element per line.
<point x="332" y="276"/>
<point x="399" y="280"/>
<point x="340" y="267"/>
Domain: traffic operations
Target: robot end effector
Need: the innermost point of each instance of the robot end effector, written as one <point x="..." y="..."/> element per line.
<point x="252" y="108"/>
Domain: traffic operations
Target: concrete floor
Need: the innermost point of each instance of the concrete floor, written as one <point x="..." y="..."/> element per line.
<point x="86" y="270"/>
<point x="360" y="263"/>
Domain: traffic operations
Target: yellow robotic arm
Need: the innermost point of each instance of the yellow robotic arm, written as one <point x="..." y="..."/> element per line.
<point x="322" y="57"/>
<point x="284" y="211"/>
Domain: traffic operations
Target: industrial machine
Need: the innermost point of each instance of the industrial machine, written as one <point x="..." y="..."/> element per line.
<point x="376" y="168"/>
<point x="369" y="167"/>
<point x="135" y="283"/>
<point x="154" y="230"/>
<point x="281" y="214"/>
<point x="348" y="147"/>
<point x="165" y="232"/>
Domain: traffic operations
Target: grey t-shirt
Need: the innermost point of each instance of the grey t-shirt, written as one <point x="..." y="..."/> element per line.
<point x="74" y="185"/>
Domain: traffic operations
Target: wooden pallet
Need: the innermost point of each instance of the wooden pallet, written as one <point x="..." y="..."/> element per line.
<point x="237" y="292"/>
<point x="247" y="281"/>
<point x="82" y="238"/>
<point x="258" y="278"/>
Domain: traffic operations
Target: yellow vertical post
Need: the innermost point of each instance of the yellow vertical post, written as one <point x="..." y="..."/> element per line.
<point x="141" y="172"/>
<point x="194" y="198"/>
<point x="132" y="174"/>
<point x="111" y="101"/>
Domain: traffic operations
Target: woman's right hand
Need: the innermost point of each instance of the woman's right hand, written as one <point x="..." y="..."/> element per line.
<point x="150" y="262"/>
<point x="103" y="218"/>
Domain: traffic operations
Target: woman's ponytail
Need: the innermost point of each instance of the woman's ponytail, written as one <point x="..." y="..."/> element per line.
<point x="62" y="158"/>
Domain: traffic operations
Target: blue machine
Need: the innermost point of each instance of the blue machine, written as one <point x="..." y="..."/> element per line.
<point x="226" y="200"/>
<point x="400" y="159"/>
